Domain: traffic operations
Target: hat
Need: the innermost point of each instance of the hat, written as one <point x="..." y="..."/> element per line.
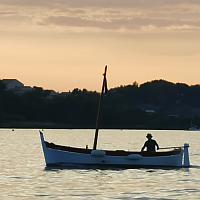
<point x="149" y="135"/>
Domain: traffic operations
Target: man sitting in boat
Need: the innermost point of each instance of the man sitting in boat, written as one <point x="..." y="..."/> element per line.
<point x="150" y="144"/>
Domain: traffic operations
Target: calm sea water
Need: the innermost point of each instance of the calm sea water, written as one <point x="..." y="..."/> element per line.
<point x="23" y="175"/>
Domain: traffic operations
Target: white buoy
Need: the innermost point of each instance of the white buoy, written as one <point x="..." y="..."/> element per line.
<point x="134" y="157"/>
<point x="98" y="153"/>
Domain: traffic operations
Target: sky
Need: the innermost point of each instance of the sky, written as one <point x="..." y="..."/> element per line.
<point x="65" y="44"/>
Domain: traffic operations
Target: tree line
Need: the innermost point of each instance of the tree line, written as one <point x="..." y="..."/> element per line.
<point x="157" y="104"/>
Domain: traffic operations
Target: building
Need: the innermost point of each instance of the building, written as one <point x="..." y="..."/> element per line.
<point x="16" y="86"/>
<point x="12" y="84"/>
<point x="23" y="90"/>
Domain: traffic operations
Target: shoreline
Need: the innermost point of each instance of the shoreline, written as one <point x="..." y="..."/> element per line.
<point x="51" y="125"/>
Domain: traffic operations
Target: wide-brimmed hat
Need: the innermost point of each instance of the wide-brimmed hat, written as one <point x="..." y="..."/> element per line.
<point x="149" y="135"/>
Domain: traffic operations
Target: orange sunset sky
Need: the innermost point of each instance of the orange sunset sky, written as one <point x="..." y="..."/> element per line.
<point x="65" y="44"/>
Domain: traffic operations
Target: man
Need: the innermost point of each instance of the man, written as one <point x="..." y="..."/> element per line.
<point x="150" y="144"/>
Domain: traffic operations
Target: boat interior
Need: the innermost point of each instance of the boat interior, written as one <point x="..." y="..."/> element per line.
<point x="175" y="151"/>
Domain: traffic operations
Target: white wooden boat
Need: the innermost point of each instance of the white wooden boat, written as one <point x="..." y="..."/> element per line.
<point x="65" y="156"/>
<point x="194" y="128"/>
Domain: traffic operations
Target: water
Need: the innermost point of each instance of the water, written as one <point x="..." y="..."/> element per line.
<point x="23" y="175"/>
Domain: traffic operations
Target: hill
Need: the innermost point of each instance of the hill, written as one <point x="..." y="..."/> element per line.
<point x="157" y="104"/>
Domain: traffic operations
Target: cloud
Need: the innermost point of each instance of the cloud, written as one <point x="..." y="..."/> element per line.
<point x="145" y="16"/>
<point x="118" y="20"/>
<point x="147" y="4"/>
<point x="7" y="13"/>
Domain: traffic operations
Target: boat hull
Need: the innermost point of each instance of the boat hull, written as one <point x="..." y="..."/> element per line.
<point x="100" y="159"/>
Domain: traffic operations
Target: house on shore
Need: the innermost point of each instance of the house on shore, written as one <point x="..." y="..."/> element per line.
<point x="12" y="84"/>
<point x="16" y="86"/>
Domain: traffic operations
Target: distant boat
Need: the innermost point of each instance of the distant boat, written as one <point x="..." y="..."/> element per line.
<point x="194" y="128"/>
<point x="65" y="156"/>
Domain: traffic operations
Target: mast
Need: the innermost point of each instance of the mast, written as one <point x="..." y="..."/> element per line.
<point x="104" y="89"/>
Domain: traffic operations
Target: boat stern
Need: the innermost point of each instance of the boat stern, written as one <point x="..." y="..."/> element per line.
<point x="186" y="157"/>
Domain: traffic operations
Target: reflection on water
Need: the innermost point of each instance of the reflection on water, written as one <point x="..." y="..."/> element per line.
<point x="23" y="175"/>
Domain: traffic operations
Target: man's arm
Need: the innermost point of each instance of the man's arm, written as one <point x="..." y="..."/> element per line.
<point x="157" y="145"/>
<point x="143" y="147"/>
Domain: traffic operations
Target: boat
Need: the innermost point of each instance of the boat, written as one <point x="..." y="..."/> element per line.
<point x="194" y="128"/>
<point x="67" y="157"/>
